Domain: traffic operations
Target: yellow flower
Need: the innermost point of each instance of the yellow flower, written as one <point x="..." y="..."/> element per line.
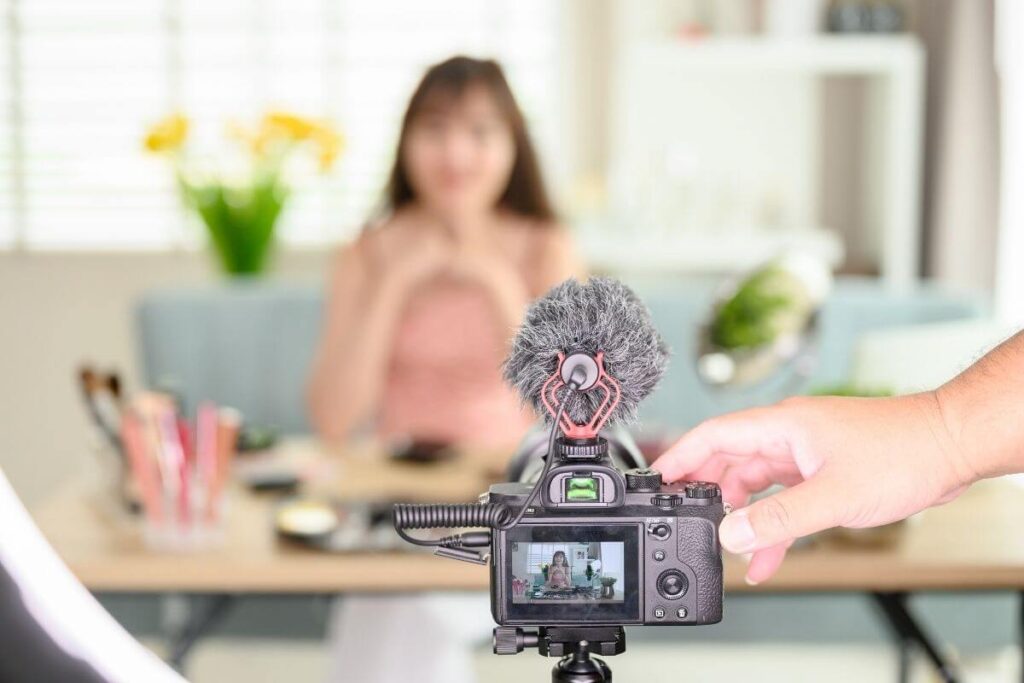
<point x="254" y="141"/>
<point x="236" y="130"/>
<point x="291" y="125"/>
<point x="295" y="128"/>
<point x="167" y="135"/>
<point x="330" y="144"/>
<point x="280" y="132"/>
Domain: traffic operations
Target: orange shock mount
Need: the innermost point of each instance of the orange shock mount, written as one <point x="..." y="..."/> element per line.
<point x="612" y="392"/>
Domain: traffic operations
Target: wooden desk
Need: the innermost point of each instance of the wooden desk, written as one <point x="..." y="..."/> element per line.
<point x="974" y="543"/>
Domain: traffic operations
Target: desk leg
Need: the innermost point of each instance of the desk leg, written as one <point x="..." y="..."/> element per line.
<point x="906" y="657"/>
<point x="906" y="628"/>
<point x="203" y="615"/>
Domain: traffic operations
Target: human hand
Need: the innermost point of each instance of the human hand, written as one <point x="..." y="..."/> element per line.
<point x="851" y="462"/>
<point x="423" y="245"/>
<point x="482" y="262"/>
<point x="422" y="254"/>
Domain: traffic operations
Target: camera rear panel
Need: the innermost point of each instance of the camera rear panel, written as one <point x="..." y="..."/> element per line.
<point x="669" y="573"/>
<point x="664" y="538"/>
<point x="682" y="571"/>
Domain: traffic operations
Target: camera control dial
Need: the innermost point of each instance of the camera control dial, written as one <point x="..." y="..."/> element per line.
<point x="702" y="489"/>
<point x="666" y="501"/>
<point x="672" y="584"/>
<point x="643" y="479"/>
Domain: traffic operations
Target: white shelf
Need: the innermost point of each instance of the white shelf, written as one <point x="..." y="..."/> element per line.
<point x="722" y="251"/>
<point x="825" y="55"/>
<point x="746" y="113"/>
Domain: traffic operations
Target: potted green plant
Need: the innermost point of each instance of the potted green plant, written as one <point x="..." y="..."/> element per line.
<point x="240" y="208"/>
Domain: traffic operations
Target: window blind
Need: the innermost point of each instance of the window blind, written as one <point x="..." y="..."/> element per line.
<point x="82" y="81"/>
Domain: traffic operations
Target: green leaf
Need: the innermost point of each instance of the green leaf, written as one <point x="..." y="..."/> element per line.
<point x="746" y="319"/>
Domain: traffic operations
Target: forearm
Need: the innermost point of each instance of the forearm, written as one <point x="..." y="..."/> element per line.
<point x="983" y="411"/>
<point x="351" y="369"/>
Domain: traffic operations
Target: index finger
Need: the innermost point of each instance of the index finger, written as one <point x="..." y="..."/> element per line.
<point x="757" y="431"/>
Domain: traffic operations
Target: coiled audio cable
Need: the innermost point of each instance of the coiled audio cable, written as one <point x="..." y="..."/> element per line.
<point x="488" y="515"/>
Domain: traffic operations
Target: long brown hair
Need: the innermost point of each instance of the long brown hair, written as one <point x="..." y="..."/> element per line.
<point x="525" y="193"/>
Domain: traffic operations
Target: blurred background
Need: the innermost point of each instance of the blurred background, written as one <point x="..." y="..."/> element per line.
<point x="685" y="143"/>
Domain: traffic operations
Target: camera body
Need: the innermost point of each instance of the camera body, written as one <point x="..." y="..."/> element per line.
<point x="605" y="546"/>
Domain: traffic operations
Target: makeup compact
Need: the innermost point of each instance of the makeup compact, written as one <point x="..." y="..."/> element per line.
<point x="336" y="526"/>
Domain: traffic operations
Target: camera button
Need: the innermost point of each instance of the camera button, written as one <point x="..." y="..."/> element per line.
<point x="681" y="613"/>
<point x="659" y="612"/>
<point x="659" y="555"/>
<point x="672" y="584"/>
<point x="660" y="531"/>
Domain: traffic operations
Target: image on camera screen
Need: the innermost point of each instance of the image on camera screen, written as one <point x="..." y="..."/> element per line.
<point x="567" y="571"/>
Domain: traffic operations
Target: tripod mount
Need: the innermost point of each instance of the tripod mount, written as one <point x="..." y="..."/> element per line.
<point x="574" y="644"/>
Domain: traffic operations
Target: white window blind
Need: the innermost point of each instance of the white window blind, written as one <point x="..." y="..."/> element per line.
<point x="81" y="81"/>
<point x="544" y="553"/>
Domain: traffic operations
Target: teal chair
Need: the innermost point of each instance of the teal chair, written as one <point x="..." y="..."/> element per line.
<point x="249" y="344"/>
<point x="243" y="344"/>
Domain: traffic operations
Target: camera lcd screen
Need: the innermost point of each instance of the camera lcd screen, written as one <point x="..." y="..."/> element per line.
<point x="572" y="570"/>
<point x="572" y="573"/>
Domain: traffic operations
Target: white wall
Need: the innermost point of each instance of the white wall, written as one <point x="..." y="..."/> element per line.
<point x="59" y="310"/>
<point x="612" y="560"/>
<point x="1010" y="253"/>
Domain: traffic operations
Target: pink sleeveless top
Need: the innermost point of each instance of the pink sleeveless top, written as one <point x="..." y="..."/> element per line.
<point x="444" y="382"/>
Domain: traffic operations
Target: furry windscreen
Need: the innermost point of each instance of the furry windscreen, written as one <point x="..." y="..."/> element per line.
<point x="599" y="315"/>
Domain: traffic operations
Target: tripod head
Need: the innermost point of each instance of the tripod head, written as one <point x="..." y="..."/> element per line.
<point x="574" y="644"/>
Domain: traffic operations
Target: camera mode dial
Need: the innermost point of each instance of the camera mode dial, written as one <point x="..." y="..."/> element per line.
<point x="702" y="489"/>
<point x="643" y="479"/>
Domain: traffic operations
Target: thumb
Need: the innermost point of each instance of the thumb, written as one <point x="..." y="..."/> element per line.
<point x="781" y="518"/>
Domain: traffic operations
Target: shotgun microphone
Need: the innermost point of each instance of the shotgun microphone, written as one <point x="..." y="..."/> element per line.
<point x="597" y="336"/>
<point x="585" y="356"/>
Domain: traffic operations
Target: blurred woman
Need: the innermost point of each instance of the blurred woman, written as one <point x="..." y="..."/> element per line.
<point x="419" y="314"/>
<point x="421" y="307"/>
<point x="558" y="571"/>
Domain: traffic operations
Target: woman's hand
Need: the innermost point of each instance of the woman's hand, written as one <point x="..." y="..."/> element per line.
<point x="424" y="253"/>
<point x="481" y="262"/>
<point x="851" y="462"/>
<point x="422" y="246"/>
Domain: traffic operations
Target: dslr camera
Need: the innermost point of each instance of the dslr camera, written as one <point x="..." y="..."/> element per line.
<point x="594" y="541"/>
<point x="605" y="546"/>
